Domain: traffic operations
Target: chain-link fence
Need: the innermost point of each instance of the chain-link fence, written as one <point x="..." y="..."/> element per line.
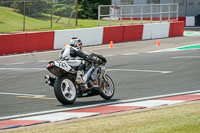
<point x="28" y="15"/>
<point x="136" y="14"/>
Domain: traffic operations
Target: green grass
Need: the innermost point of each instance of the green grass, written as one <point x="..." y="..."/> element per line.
<point x="11" y="21"/>
<point x="176" y="119"/>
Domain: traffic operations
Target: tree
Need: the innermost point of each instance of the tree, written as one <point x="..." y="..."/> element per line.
<point x="33" y="8"/>
<point x="64" y="8"/>
<point x="5" y="3"/>
<point x="89" y="8"/>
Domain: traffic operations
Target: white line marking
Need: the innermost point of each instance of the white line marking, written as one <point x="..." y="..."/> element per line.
<point x="20" y="94"/>
<point x="151" y="103"/>
<point x="44" y="61"/>
<point x="185" y="57"/>
<point x="174" y="49"/>
<point x="132" y="70"/>
<point x="96" y="105"/>
<point x="130" y="54"/>
<point x="33" y="53"/>
<point x="17" y="63"/>
<point x="23" y="69"/>
<point x="109" y="55"/>
<point x="59" y="116"/>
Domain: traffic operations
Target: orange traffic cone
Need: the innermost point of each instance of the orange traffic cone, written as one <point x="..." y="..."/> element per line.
<point x="111" y="44"/>
<point x="65" y="44"/>
<point x="158" y="42"/>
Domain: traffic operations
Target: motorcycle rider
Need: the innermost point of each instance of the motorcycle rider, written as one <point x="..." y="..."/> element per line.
<point x="76" y="51"/>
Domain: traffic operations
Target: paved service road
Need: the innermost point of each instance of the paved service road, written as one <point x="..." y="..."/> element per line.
<point x="135" y="70"/>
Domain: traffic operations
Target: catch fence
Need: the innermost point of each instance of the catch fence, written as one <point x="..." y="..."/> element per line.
<point x="31" y="15"/>
<point x="136" y="14"/>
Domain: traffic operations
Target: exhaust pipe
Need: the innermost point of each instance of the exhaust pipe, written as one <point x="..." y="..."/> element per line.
<point x="49" y="80"/>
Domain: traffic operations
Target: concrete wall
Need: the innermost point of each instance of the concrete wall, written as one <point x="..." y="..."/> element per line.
<point x="89" y="36"/>
<point x="41" y="41"/>
<point x="26" y="42"/>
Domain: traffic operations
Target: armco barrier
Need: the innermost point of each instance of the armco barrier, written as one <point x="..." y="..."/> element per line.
<point x="89" y="36"/>
<point x="160" y="30"/>
<point x="133" y="32"/>
<point x="176" y="29"/>
<point x="115" y="34"/>
<point x="26" y="42"/>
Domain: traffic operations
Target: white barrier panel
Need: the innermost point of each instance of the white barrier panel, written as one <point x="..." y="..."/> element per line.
<point x="147" y="31"/>
<point x="89" y="36"/>
<point x="153" y="31"/>
<point x="160" y="30"/>
<point x="190" y="21"/>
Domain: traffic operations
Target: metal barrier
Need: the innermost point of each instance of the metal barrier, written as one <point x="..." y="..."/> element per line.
<point x="136" y="14"/>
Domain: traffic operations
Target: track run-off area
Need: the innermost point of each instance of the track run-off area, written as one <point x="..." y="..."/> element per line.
<point x="139" y="69"/>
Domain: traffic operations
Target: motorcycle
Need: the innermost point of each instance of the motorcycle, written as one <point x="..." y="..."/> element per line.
<point x="66" y="89"/>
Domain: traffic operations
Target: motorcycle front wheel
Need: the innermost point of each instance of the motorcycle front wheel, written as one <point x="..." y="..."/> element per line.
<point x="107" y="88"/>
<point x="65" y="91"/>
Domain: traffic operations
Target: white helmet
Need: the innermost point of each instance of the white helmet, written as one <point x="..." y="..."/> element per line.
<point x="76" y="42"/>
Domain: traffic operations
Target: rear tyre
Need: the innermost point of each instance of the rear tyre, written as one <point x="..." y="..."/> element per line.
<point x="107" y="88"/>
<point x="65" y="91"/>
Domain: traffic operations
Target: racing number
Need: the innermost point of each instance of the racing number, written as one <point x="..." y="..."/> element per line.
<point x="62" y="64"/>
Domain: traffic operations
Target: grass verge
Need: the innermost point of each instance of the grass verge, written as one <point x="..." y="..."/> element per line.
<point x="11" y="21"/>
<point x="183" y="118"/>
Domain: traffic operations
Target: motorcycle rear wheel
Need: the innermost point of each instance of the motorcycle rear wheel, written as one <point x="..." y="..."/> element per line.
<point x="107" y="90"/>
<point x="65" y="90"/>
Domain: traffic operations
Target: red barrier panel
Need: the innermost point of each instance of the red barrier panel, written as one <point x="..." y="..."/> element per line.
<point x="176" y="29"/>
<point x="182" y="19"/>
<point x="39" y="41"/>
<point x="133" y="32"/>
<point x="148" y="19"/>
<point x="12" y="44"/>
<point x="114" y="34"/>
<point x="26" y="42"/>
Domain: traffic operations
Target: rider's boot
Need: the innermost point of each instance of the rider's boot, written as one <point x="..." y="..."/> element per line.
<point x="79" y="76"/>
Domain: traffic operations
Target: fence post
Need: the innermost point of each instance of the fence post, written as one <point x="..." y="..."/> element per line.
<point x="141" y="15"/>
<point x="160" y="13"/>
<point x="177" y="12"/>
<point x="110" y="15"/>
<point x="99" y="13"/>
<point x="121" y="15"/>
<point x="24" y="21"/>
<point x="151" y="12"/>
<point x="169" y="12"/>
<point x="51" y="25"/>
<point x="131" y="14"/>
<point x="76" y="12"/>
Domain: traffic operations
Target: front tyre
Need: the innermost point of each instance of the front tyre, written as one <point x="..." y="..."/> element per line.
<point x="65" y="91"/>
<point x="107" y="88"/>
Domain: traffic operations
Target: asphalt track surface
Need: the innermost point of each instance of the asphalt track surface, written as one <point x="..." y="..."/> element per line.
<point x="135" y="72"/>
